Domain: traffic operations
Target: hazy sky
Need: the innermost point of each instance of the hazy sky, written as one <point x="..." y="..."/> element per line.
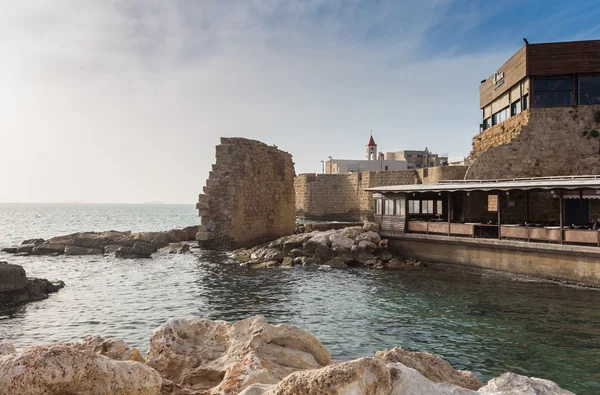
<point x="125" y="100"/>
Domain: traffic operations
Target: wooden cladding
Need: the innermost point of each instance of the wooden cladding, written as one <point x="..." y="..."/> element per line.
<point x="514" y="71"/>
<point x="548" y="59"/>
<point x="577" y="57"/>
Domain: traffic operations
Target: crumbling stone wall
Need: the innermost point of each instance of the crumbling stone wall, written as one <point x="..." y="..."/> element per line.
<point x="548" y="142"/>
<point x="433" y="175"/>
<point x="249" y="195"/>
<point x="500" y="134"/>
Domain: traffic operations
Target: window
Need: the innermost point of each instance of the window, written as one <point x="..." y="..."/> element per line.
<point x="389" y="207"/>
<point x="525" y="102"/>
<point x="414" y="207"/>
<point x="493" y="203"/>
<point x="378" y="206"/>
<point x="439" y="207"/>
<point x="589" y="89"/>
<point x="553" y="91"/>
<point x="400" y="209"/>
<point x="500" y="116"/>
<point x="386" y="168"/>
<point x="427" y="207"/>
<point x="487" y="123"/>
<point x="515" y="108"/>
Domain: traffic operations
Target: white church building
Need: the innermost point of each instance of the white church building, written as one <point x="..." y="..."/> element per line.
<point x="375" y="161"/>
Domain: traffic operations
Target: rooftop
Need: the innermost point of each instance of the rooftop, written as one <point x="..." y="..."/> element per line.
<point x="544" y="183"/>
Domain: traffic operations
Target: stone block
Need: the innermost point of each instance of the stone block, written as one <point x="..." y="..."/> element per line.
<point x="203" y="236"/>
<point x="203" y="212"/>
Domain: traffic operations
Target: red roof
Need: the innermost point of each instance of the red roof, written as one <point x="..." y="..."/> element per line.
<point x="371" y="143"/>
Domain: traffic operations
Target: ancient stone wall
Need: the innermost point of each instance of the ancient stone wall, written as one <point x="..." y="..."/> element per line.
<point x="432" y="175"/>
<point x="545" y="142"/>
<point x="342" y="197"/>
<point x="249" y="195"/>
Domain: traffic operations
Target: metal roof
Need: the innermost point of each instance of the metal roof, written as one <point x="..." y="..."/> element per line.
<point x="547" y="183"/>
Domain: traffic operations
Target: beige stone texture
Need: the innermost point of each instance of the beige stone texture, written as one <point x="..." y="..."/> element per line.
<point x="249" y="195"/>
<point x="538" y="142"/>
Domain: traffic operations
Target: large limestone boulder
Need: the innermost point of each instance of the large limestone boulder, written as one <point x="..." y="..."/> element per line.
<point x="431" y="366"/>
<point x="319" y="239"/>
<point x="47" y="249"/>
<point x="115" y="349"/>
<point x="372" y="237"/>
<point x="408" y="381"/>
<point x="63" y="369"/>
<point x="351" y="232"/>
<point x="340" y="241"/>
<point x="177" y="235"/>
<point x="336" y="263"/>
<point x="218" y="357"/>
<point x="511" y="383"/>
<point x="371" y="227"/>
<point x="156" y="239"/>
<point x="364" y="376"/>
<point x="12" y="277"/>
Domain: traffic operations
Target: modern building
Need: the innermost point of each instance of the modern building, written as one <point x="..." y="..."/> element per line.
<point x="374" y="161"/>
<point x="418" y="159"/>
<point x="540" y="114"/>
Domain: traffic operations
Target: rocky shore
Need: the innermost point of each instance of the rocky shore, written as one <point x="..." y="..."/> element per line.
<point x="336" y="248"/>
<point x="251" y="357"/>
<point x="119" y="244"/>
<point x="16" y="288"/>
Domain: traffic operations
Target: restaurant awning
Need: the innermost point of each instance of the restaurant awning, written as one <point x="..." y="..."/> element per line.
<point x="541" y="183"/>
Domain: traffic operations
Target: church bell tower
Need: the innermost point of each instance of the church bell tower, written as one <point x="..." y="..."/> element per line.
<point x="371" y="149"/>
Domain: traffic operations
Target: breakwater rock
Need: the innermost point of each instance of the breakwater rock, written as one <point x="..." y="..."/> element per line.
<point x="16" y="288"/>
<point x="336" y="248"/>
<point x="119" y="244"/>
<point x="250" y="357"/>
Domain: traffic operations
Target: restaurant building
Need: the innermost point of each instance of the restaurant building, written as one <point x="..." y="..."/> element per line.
<point x="536" y="226"/>
<point x="540" y="114"/>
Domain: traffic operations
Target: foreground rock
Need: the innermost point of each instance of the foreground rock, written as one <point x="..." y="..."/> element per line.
<point x="137" y="245"/>
<point x="337" y="248"/>
<point x="70" y="369"/>
<point x="249" y="357"/>
<point x="16" y="288"/>
<point x="217" y="357"/>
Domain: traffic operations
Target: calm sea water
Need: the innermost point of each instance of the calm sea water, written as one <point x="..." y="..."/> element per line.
<point x="476" y="320"/>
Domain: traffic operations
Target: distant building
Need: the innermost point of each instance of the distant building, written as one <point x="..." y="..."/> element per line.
<point x="418" y="159"/>
<point x="374" y="161"/>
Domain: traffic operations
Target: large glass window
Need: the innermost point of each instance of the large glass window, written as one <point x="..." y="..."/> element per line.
<point x="389" y="207"/>
<point x="378" y="206"/>
<point x="400" y="209"/>
<point x="487" y="123"/>
<point x="427" y="207"/>
<point x="553" y="91"/>
<point x="525" y="102"/>
<point x="589" y="89"/>
<point x="500" y="116"/>
<point x="516" y="107"/>
<point x="414" y="206"/>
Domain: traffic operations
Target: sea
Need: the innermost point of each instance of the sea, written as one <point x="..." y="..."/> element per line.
<point x="482" y="321"/>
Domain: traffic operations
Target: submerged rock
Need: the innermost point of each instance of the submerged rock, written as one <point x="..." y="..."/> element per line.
<point x="75" y="250"/>
<point x="336" y="263"/>
<point x="48" y="249"/>
<point x="139" y="250"/>
<point x="176" y="248"/>
<point x="218" y="357"/>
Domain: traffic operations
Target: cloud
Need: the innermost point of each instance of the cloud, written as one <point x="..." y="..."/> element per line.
<point x="124" y="101"/>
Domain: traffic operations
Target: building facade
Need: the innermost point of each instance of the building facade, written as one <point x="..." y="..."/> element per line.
<point x="374" y="161"/>
<point x="418" y="159"/>
<point x="540" y="114"/>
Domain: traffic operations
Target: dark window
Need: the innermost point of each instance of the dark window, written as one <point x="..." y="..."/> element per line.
<point x="525" y="102"/>
<point x="500" y="116"/>
<point x="553" y="91"/>
<point x="487" y="123"/>
<point x="386" y="168"/>
<point x="589" y="89"/>
<point x="515" y="107"/>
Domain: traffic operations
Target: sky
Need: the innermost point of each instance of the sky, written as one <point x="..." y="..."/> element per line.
<point x="124" y="101"/>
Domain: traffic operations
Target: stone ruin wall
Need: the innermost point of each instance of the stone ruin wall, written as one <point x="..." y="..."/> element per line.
<point x="342" y="197"/>
<point x="539" y="142"/>
<point x="249" y="195"/>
